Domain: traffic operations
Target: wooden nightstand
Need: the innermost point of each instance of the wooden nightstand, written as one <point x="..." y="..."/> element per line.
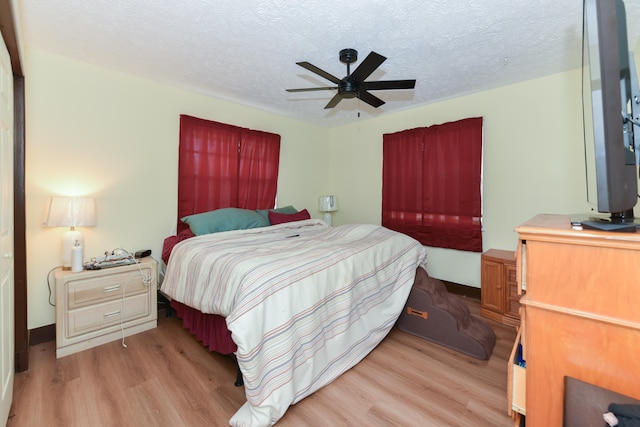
<point x="499" y="299"/>
<point x="94" y="307"/>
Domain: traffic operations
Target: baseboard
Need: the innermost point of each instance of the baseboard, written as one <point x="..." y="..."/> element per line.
<point x="464" y="290"/>
<point x="42" y="334"/>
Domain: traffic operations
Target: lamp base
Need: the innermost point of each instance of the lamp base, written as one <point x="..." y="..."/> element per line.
<point x="68" y="240"/>
<point x="326" y="217"/>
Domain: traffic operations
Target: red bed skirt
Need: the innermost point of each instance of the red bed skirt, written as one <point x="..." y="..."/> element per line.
<point x="210" y="329"/>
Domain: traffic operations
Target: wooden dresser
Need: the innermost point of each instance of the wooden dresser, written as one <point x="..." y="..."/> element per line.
<point x="581" y="312"/>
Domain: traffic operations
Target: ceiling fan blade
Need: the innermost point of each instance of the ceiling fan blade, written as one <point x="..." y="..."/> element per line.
<point x="308" y="89"/>
<point x="319" y="72"/>
<point x="370" y="99"/>
<point x="368" y="66"/>
<point x="388" y="84"/>
<point x="334" y="101"/>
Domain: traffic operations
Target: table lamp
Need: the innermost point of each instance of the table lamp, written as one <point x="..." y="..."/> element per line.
<point x="327" y="204"/>
<point x="70" y="212"/>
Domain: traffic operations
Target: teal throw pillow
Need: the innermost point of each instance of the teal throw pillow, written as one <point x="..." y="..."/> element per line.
<point x="225" y="219"/>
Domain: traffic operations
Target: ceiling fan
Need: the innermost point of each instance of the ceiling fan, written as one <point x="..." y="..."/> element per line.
<point x="353" y="84"/>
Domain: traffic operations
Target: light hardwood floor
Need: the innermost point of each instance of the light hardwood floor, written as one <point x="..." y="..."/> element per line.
<point x="164" y="377"/>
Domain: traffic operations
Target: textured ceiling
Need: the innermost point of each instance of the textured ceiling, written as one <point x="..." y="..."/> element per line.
<point x="245" y="51"/>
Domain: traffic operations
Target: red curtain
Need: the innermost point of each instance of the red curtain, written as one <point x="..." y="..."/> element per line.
<point x="432" y="184"/>
<point x="258" y="170"/>
<point x="223" y="166"/>
<point x="402" y="181"/>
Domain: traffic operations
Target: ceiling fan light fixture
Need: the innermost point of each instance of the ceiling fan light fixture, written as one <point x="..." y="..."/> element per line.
<point x="348" y="89"/>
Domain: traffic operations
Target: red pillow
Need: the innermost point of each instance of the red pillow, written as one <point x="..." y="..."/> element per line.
<point x="281" y="218"/>
<point x="171" y="241"/>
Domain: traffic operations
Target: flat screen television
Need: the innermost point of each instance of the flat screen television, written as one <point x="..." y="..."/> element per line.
<point x="611" y="145"/>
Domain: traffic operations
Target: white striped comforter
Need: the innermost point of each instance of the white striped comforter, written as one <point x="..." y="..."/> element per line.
<point x="304" y="302"/>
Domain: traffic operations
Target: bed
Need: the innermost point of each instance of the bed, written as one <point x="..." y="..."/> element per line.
<point x="302" y="302"/>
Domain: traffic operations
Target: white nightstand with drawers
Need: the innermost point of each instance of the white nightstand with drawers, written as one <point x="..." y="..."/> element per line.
<point x="94" y="307"/>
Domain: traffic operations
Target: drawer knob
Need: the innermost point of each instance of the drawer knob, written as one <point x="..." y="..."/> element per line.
<point x="111" y="314"/>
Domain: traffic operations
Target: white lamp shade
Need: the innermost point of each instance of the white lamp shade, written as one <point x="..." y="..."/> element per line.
<point x="71" y="212"/>
<point x="327" y="204"/>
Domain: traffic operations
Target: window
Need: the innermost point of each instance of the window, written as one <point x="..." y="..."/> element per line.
<point x="224" y="166"/>
<point x="431" y="184"/>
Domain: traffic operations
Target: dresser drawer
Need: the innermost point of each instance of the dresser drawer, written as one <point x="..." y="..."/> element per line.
<point x="88" y="291"/>
<point x="517" y="379"/>
<point x="99" y="317"/>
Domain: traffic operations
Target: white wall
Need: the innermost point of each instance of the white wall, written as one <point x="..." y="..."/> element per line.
<point x="92" y="131"/>
<point x="533" y="162"/>
<point x="112" y="136"/>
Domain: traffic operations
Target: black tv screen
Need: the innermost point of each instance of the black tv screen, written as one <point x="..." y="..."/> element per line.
<point x="608" y="104"/>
